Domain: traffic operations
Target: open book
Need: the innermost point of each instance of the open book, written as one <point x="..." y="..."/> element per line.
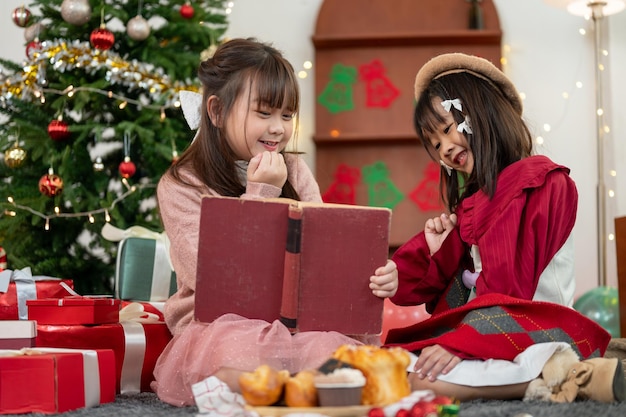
<point x="306" y="264"/>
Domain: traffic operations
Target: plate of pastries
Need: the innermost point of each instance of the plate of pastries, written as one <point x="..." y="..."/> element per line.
<point x="352" y="381"/>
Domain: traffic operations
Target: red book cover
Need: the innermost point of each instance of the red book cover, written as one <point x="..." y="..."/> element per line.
<point x="307" y="264"/>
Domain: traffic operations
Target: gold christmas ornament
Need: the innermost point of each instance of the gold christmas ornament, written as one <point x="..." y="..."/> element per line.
<point x="138" y="28"/>
<point x="76" y="12"/>
<point x="15" y="156"/>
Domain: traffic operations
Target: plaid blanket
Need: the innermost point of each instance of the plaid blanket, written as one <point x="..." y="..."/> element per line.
<point x="497" y="326"/>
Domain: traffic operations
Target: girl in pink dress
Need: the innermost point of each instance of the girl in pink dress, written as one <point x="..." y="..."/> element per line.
<point x="246" y="119"/>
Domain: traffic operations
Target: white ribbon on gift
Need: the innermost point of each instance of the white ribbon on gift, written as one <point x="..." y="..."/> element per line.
<point x="24" y="286"/>
<point x="131" y="318"/>
<point x="91" y="368"/>
<point x="160" y="290"/>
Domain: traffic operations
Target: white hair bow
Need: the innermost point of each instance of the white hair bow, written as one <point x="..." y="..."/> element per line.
<point x="191" y="103"/>
<point x="447" y="104"/>
<point x="465" y="126"/>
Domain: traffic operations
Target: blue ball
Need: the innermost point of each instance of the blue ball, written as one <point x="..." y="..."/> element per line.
<point x="602" y="306"/>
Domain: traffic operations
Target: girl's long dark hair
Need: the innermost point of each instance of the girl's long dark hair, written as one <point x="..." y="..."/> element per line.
<point x="235" y="66"/>
<point x="499" y="136"/>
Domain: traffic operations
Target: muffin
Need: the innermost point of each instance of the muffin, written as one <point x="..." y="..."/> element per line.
<point x="341" y="387"/>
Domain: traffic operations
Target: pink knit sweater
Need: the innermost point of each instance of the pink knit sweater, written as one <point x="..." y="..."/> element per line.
<point x="179" y="207"/>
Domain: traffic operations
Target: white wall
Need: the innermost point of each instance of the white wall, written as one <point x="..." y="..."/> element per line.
<point x="545" y="56"/>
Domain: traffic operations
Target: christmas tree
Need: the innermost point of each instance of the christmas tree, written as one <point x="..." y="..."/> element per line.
<point x="91" y="122"/>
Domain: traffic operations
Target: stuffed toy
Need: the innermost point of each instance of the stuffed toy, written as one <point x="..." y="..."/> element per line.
<point x="565" y="378"/>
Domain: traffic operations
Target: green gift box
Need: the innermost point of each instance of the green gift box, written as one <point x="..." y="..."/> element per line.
<point x="143" y="271"/>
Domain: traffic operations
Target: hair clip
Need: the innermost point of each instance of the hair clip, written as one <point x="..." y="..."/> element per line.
<point x="465" y="126"/>
<point x="448" y="168"/>
<point x="448" y="104"/>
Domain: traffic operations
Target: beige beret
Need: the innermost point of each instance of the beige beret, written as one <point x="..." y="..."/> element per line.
<point x="457" y="62"/>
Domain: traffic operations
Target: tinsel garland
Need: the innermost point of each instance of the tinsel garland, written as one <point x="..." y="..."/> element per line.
<point x="64" y="55"/>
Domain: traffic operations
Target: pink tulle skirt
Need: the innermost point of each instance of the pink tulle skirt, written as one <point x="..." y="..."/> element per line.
<point x="236" y="342"/>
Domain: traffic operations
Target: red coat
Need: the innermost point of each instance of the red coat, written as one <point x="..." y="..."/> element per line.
<point x="518" y="232"/>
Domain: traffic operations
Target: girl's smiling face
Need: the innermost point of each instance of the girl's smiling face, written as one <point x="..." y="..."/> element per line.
<point x="253" y="127"/>
<point x="450" y="144"/>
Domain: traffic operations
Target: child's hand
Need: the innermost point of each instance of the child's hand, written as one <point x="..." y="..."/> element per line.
<point x="384" y="282"/>
<point x="437" y="229"/>
<point x="268" y="168"/>
<point x="435" y="360"/>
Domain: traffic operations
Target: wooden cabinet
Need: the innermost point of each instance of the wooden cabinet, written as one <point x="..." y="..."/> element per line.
<point x="367" y="53"/>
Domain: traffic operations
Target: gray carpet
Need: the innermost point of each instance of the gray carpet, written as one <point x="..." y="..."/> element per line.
<point x="146" y="404"/>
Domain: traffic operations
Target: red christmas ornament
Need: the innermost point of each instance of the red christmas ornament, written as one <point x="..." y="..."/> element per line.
<point x="102" y="38"/>
<point x="50" y="184"/>
<point x="187" y="11"/>
<point x="21" y="16"/>
<point x="127" y="168"/>
<point x="32" y="47"/>
<point x="58" y="130"/>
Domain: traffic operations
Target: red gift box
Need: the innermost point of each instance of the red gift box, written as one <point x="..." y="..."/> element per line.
<point x="54" y="381"/>
<point x="74" y="310"/>
<point x="17" y="334"/>
<point x="137" y="347"/>
<point x="16" y="287"/>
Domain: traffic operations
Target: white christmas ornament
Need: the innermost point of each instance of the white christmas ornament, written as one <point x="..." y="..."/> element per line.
<point x="138" y="28"/>
<point x="33" y="31"/>
<point x="76" y="12"/>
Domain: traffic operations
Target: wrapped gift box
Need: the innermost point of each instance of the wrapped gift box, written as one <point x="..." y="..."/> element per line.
<point x="137" y="347"/>
<point x="143" y="271"/>
<point x="16" y="287"/>
<point x="74" y="310"/>
<point x="17" y="334"/>
<point x="53" y="381"/>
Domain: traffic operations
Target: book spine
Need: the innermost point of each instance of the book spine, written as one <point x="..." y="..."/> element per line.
<point x="291" y="275"/>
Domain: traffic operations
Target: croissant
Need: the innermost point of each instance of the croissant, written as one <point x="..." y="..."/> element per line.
<point x="264" y="386"/>
<point x="300" y="390"/>
<point x="385" y="370"/>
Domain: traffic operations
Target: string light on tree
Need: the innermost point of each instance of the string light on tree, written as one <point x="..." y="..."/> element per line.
<point x="57" y="213"/>
<point x="98" y="165"/>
